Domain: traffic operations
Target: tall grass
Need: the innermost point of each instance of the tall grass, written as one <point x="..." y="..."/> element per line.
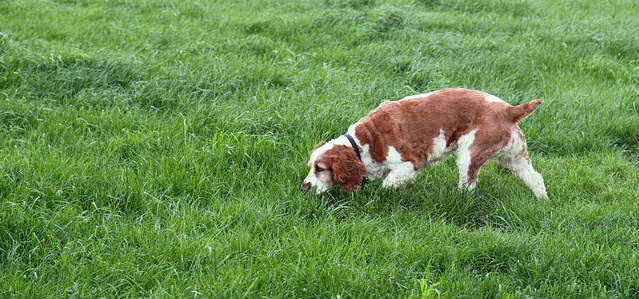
<point x="155" y="149"/>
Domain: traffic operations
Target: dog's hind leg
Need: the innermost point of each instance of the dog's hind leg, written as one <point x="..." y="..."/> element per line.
<point x="515" y="157"/>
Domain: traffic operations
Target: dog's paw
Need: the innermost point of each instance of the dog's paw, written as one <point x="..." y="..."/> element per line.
<point x="392" y="183"/>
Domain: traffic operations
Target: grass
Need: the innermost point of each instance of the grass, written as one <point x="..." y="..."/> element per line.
<point x="155" y="149"/>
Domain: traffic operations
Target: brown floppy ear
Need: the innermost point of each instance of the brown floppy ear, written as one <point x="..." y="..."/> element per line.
<point x="348" y="170"/>
<point x="318" y="145"/>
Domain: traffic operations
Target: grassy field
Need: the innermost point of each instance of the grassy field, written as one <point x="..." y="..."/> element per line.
<point x="155" y="149"/>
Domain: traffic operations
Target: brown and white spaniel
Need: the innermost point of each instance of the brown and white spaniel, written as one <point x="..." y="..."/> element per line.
<point x="400" y="138"/>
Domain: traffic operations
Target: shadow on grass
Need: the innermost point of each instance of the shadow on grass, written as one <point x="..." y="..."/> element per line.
<point x="434" y="200"/>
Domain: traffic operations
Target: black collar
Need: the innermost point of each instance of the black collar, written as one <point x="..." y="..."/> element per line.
<point x="354" y="145"/>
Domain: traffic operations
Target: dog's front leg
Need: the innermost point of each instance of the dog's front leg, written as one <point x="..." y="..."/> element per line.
<point x="399" y="174"/>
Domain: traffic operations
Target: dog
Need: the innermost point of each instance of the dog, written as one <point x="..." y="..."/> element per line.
<point x="400" y="138"/>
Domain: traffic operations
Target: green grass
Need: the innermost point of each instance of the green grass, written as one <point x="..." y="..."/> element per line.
<point x="155" y="149"/>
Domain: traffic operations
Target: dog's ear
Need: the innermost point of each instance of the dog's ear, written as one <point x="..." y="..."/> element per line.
<point x="318" y="145"/>
<point x="348" y="170"/>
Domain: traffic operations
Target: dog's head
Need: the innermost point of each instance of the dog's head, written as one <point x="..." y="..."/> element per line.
<point x="332" y="164"/>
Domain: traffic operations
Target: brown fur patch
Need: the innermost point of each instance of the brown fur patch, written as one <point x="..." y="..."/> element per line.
<point x="347" y="169"/>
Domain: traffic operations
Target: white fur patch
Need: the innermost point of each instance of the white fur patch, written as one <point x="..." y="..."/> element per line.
<point x="491" y="98"/>
<point x="417" y="96"/>
<point x="400" y="171"/>
<point x="524" y="170"/>
<point x="463" y="159"/>
<point x="393" y="156"/>
<point x="320" y="182"/>
<point x="440" y="151"/>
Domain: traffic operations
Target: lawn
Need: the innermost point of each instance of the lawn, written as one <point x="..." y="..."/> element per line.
<point x="155" y="149"/>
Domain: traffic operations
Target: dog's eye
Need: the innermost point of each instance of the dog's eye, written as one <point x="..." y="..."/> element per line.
<point x="319" y="169"/>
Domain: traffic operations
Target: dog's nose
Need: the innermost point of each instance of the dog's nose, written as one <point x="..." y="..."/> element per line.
<point x="305" y="186"/>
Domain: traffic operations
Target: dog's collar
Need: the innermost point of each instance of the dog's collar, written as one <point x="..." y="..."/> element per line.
<point x="354" y="145"/>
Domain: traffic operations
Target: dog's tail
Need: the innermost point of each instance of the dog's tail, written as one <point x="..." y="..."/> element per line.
<point x="519" y="112"/>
